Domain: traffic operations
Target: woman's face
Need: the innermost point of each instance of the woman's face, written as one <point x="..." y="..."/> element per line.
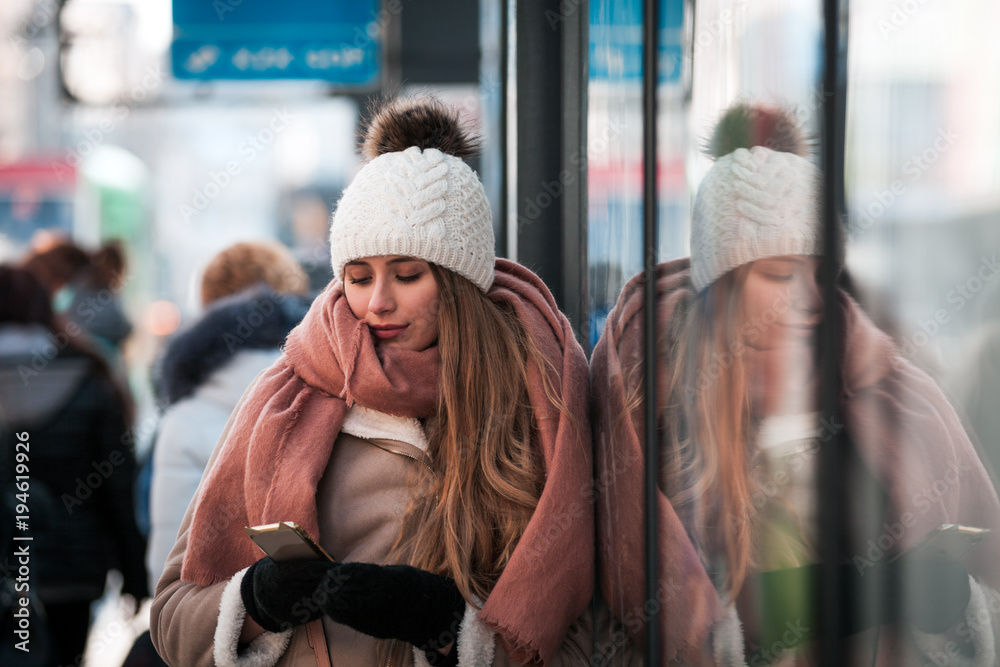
<point x="781" y="302"/>
<point x="397" y="297"/>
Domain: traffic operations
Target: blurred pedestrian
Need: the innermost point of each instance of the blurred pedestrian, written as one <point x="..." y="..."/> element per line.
<point x="86" y="289"/>
<point x="255" y="292"/>
<point x="57" y="265"/>
<point x="427" y="424"/>
<point x="62" y="396"/>
<point x="96" y="299"/>
<point x="740" y="429"/>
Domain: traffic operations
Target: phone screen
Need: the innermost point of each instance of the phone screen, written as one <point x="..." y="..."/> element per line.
<point x="286" y="541"/>
<point x="947" y="542"/>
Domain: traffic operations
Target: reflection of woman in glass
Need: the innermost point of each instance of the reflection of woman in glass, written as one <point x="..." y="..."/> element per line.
<point x="427" y="423"/>
<point x="740" y="428"/>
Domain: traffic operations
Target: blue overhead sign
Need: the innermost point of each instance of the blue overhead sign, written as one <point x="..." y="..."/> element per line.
<point x="616" y="40"/>
<point x="331" y="41"/>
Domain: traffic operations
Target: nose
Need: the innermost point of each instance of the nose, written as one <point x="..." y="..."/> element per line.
<point x="382" y="300"/>
<point x="807" y="295"/>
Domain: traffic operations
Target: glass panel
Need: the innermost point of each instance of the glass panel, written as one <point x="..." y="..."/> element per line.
<point x="923" y="194"/>
<point x="738" y="313"/>
<point x="738" y="411"/>
<point x="615" y="251"/>
<point x="737" y="371"/>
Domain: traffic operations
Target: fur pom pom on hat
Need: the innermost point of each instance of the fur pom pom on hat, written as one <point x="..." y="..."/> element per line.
<point x="416" y="196"/>
<point x="761" y="198"/>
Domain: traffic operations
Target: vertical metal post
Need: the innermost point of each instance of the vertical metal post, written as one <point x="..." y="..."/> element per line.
<point x="650" y="50"/>
<point x="576" y="74"/>
<point x="505" y="27"/>
<point x="550" y="128"/>
<point x="829" y="612"/>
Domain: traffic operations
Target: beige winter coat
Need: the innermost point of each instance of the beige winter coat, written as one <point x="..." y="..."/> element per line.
<point x="368" y="480"/>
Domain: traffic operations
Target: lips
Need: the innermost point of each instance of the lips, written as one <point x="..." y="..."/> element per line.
<point x="801" y="329"/>
<point x="387" y="331"/>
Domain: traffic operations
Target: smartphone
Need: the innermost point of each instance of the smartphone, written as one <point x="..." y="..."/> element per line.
<point x="286" y="541"/>
<point x="948" y="541"/>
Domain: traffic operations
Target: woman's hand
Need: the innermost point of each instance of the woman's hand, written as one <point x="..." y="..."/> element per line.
<point x="399" y="602"/>
<point x="280" y="595"/>
<point x="384" y="601"/>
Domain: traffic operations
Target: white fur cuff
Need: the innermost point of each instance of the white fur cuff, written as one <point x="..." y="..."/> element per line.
<point x="475" y="643"/>
<point x="264" y="651"/>
<point x="977" y="625"/>
<point x="727" y="640"/>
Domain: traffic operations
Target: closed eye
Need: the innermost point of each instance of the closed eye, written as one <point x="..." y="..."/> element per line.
<point x="409" y="279"/>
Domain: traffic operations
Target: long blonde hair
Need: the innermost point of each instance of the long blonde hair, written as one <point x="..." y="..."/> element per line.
<point x="706" y="428"/>
<point x="489" y="476"/>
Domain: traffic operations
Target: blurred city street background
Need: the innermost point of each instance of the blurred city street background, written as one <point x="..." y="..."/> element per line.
<point x="180" y="128"/>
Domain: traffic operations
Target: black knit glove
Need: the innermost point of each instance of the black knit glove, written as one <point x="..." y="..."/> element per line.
<point x="936" y="593"/>
<point x="281" y="595"/>
<point x="399" y="602"/>
<point x="930" y="594"/>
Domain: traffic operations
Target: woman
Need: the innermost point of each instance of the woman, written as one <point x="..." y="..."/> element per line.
<point x="740" y="430"/>
<point x="59" y="396"/>
<point x="426" y="424"/>
<point x="96" y="299"/>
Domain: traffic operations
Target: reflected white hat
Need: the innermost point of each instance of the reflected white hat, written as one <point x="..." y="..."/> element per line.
<point x="760" y="199"/>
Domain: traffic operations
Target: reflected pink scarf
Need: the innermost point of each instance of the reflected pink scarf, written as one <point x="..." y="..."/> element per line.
<point x="281" y="439"/>
<point x="904" y="428"/>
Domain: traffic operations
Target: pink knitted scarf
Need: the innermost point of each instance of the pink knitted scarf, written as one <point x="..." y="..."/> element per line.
<point x="281" y="438"/>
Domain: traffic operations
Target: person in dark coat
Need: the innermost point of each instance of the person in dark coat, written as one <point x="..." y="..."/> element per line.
<point x="58" y="395"/>
<point x="96" y="299"/>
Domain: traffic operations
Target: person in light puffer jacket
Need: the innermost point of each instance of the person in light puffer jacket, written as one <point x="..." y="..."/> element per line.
<point x="201" y="377"/>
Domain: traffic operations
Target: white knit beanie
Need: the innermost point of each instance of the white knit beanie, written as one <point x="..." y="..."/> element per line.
<point x="756" y="201"/>
<point x="414" y="198"/>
